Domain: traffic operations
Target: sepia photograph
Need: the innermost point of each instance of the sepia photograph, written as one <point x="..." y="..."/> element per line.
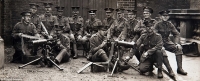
<point x="100" y="40"/>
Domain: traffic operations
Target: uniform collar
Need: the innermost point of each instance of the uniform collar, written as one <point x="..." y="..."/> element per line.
<point x="48" y="14"/>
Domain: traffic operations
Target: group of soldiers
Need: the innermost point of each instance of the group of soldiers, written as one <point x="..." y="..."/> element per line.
<point x="151" y="37"/>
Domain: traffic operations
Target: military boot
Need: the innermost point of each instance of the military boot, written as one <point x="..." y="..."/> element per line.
<point x="75" y="51"/>
<point x="179" y="64"/>
<point x="160" y="75"/>
<point x="166" y="63"/>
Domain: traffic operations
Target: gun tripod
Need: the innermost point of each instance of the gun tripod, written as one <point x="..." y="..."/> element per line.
<point x="47" y="57"/>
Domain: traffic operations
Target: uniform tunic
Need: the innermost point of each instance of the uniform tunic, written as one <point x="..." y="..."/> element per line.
<point x="49" y="21"/>
<point x="91" y="25"/>
<point x="166" y="28"/>
<point x="35" y="19"/>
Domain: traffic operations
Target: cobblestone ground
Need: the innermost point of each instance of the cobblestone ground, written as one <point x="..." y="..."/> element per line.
<point x="35" y="73"/>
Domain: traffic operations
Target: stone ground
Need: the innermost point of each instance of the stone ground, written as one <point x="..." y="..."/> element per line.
<point x="34" y="73"/>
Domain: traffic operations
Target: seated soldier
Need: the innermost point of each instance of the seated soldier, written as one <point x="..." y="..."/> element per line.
<point x="62" y="47"/>
<point x="150" y="46"/>
<point x="98" y="44"/>
<point x="77" y="33"/>
<point x="25" y="27"/>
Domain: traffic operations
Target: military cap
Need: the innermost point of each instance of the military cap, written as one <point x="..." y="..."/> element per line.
<point x="60" y="9"/>
<point x="75" y="8"/>
<point x="25" y="12"/>
<point x="132" y="11"/>
<point x="109" y="10"/>
<point x="164" y="12"/>
<point x="33" y="5"/>
<point x="148" y="9"/>
<point x="47" y="4"/>
<point x="120" y="10"/>
<point x="92" y="11"/>
<point x="100" y="27"/>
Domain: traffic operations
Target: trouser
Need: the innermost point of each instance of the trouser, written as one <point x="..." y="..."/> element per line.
<point x="147" y="65"/>
<point x="99" y="56"/>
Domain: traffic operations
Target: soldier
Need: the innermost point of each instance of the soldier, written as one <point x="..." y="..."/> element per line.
<point x="109" y="20"/>
<point x="48" y="19"/>
<point x="132" y="21"/>
<point x="25" y="27"/>
<point x="35" y="17"/>
<point x="76" y="26"/>
<point x="118" y="31"/>
<point x="147" y="11"/>
<point x="98" y="44"/>
<point x="139" y="28"/>
<point x="150" y="45"/>
<point x="63" y="43"/>
<point x="92" y="23"/>
<point x="165" y="28"/>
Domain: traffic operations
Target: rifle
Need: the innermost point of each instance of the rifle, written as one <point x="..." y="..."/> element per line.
<point x="44" y="28"/>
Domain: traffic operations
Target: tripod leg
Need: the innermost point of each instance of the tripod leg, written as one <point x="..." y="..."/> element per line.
<point x="30" y="62"/>
<point x="114" y="67"/>
<point x="61" y="69"/>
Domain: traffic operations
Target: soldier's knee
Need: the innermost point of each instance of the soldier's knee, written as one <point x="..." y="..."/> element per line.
<point x="144" y="68"/>
<point x="101" y="51"/>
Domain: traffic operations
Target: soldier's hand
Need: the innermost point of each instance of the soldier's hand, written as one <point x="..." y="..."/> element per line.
<point x="50" y="37"/>
<point x="127" y="58"/>
<point x="19" y="34"/>
<point x="178" y="46"/>
<point x="145" y="54"/>
<point x="103" y="43"/>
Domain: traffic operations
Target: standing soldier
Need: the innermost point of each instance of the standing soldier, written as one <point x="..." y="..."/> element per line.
<point x="63" y="43"/>
<point x="25" y="27"/>
<point x="132" y="21"/>
<point x="119" y="31"/>
<point x="76" y="26"/>
<point x="92" y="23"/>
<point x="48" y="19"/>
<point x="139" y="28"/>
<point x="147" y="11"/>
<point x="35" y="17"/>
<point x="132" y="36"/>
<point x="109" y="20"/>
<point x="165" y="28"/>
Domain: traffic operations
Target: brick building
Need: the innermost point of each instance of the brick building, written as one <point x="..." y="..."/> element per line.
<point x="11" y="9"/>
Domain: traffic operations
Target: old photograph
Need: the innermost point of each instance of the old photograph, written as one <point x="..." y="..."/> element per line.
<point x="100" y="40"/>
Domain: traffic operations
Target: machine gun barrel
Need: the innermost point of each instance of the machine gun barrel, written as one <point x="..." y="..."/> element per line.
<point x="30" y="37"/>
<point x="126" y="44"/>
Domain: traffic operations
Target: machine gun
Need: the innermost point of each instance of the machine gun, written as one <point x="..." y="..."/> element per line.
<point x="47" y="45"/>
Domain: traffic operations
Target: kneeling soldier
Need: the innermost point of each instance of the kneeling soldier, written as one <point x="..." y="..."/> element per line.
<point x="150" y="45"/>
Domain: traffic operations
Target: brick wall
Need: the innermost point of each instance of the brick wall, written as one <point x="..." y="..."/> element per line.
<point x="195" y="4"/>
<point x="12" y="10"/>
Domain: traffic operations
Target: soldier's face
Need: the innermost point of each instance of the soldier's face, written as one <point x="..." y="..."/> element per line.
<point x="119" y="15"/>
<point x="33" y="10"/>
<point x="131" y="16"/>
<point x="165" y="17"/>
<point x="146" y="14"/>
<point x="60" y="13"/>
<point x="150" y="31"/>
<point x="48" y="10"/>
<point x="27" y="18"/>
<point x="92" y="16"/>
<point x="108" y="14"/>
<point x="75" y="13"/>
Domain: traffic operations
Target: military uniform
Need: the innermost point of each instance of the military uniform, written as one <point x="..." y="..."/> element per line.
<point x="63" y="48"/>
<point x="166" y="28"/>
<point x="92" y="23"/>
<point x="152" y="44"/>
<point x="20" y="44"/>
<point x="35" y="17"/>
<point x="48" y="19"/>
<point x="98" y="54"/>
<point x="63" y="44"/>
<point x="108" y="22"/>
